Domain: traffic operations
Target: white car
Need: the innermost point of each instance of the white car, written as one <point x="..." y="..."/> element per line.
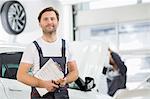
<point x="10" y="88"/>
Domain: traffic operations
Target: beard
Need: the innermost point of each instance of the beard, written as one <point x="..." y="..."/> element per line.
<point x="50" y="31"/>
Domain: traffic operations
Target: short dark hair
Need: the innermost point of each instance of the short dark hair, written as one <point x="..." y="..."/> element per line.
<point x="48" y="9"/>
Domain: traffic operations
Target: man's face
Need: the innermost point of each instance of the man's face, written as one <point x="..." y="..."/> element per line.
<point x="111" y="61"/>
<point x="49" y="22"/>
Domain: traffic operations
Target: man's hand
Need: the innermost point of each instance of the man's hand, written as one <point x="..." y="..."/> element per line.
<point x="61" y="82"/>
<point x="50" y="86"/>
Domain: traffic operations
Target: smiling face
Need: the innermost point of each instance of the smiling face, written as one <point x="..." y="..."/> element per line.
<point x="49" y="22"/>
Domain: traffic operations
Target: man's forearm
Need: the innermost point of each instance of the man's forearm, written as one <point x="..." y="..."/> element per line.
<point x="31" y="81"/>
<point x="72" y="76"/>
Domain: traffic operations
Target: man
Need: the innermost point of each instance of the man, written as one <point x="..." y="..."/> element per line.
<point x="37" y="54"/>
<point x="116" y="73"/>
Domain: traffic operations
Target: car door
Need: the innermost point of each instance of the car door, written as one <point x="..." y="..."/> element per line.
<point x="10" y="87"/>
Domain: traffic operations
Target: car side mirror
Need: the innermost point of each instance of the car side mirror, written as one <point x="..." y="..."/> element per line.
<point x="89" y="82"/>
<point x="87" y="85"/>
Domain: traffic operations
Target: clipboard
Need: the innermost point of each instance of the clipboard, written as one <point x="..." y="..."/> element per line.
<point x="50" y="71"/>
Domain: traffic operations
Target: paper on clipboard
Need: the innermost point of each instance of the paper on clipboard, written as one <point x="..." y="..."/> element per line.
<point x="50" y="71"/>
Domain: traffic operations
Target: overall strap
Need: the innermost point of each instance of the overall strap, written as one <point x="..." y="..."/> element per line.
<point x="64" y="55"/>
<point x="39" y="51"/>
<point x="63" y="50"/>
<point x="38" y="47"/>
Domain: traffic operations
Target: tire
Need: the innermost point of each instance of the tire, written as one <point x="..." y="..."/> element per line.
<point x="13" y="17"/>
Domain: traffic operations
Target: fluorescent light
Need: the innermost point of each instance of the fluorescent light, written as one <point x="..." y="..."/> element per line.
<point x="73" y="1"/>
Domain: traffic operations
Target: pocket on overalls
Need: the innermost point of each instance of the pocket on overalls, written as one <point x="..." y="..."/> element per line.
<point x="63" y="94"/>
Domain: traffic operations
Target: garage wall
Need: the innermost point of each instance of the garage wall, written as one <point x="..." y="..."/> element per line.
<point x="114" y="15"/>
<point x="32" y="29"/>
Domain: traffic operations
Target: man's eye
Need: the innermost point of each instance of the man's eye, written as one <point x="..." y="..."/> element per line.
<point x="45" y="19"/>
<point x="52" y="19"/>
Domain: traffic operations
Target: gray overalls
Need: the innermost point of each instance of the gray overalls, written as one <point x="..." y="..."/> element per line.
<point x="60" y="93"/>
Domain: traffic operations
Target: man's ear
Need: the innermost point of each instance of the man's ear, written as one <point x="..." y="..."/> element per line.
<point x="39" y="24"/>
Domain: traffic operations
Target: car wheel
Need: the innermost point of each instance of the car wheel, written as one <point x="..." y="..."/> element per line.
<point x="13" y="17"/>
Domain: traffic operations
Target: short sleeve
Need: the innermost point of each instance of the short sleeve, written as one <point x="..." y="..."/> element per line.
<point x="70" y="54"/>
<point x="28" y="54"/>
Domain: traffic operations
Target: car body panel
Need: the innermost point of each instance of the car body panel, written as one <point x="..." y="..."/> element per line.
<point x="17" y="90"/>
<point x="77" y="94"/>
<point x="14" y="89"/>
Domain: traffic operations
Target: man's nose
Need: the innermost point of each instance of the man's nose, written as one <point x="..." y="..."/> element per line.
<point x="49" y="20"/>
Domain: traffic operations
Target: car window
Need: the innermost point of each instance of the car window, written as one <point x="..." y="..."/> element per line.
<point x="9" y="63"/>
<point x="9" y="70"/>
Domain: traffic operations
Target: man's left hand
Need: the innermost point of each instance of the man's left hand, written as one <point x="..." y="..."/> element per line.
<point x="61" y="82"/>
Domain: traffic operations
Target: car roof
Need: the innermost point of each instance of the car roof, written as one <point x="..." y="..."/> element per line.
<point x="6" y="48"/>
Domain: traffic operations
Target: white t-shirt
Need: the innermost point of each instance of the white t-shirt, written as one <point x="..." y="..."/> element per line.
<point x="31" y="54"/>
